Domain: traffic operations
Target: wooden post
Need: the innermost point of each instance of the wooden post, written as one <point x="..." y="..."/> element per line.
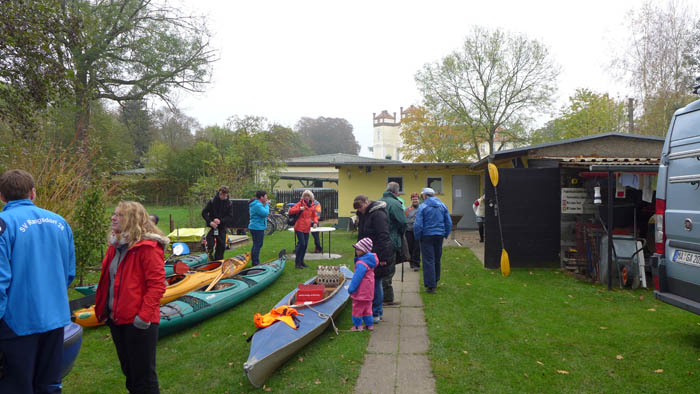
<point x="172" y="223"/>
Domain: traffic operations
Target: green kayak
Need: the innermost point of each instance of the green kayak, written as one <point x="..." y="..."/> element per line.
<point x="200" y="305"/>
<point x="189" y="259"/>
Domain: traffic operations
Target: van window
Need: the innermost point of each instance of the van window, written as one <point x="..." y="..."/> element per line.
<point x="686" y="125"/>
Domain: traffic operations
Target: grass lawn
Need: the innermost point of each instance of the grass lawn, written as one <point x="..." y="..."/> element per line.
<point x="209" y="357"/>
<point x="535" y="331"/>
<point x="542" y="331"/>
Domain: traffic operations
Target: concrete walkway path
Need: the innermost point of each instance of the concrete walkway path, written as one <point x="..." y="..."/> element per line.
<point x="396" y="361"/>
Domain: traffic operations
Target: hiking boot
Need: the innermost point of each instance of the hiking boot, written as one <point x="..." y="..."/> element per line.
<point x="391" y="303"/>
<point x="299" y="266"/>
<point x="303" y="265"/>
<point x="318" y="250"/>
<point x="430" y="290"/>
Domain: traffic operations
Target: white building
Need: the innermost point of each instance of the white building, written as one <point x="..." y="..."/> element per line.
<point x="386" y="136"/>
<point x="387" y="141"/>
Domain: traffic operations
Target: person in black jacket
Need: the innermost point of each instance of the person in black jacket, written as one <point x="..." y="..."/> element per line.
<point x="218" y="213"/>
<point x="374" y="225"/>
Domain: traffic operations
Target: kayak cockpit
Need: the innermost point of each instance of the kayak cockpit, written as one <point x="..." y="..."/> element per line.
<point x="214" y="265"/>
<point x="174" y="279"/>
<point x="330" y="278"/>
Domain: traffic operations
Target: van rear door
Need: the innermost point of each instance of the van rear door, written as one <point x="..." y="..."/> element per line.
<point x="682" y="221"/>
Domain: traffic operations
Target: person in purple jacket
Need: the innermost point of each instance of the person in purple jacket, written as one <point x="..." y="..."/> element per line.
<point x="362" y="285"/>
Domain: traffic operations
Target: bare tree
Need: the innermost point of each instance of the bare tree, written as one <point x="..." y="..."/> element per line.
<point x="492" y="87"/>
<point x="658" y="60"/>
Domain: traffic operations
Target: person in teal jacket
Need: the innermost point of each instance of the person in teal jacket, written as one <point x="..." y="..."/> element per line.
<point x="258" y="209"/>
<point x="37" y="264"/>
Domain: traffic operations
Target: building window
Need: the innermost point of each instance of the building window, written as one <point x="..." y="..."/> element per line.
<point x="435" y="183"/>
<point x="397" y="179"/>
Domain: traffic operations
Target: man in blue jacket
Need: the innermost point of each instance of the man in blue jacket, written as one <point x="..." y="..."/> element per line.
<point x="433" y="223"/>
<point x="37" y="263"/>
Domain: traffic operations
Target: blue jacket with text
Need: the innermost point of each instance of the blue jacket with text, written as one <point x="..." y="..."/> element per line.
<point x="37" y="264"/>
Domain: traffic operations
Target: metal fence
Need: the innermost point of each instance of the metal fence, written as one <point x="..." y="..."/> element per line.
<point x="328" y="198"/>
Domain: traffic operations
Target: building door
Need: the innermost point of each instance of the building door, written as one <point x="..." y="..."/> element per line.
<point x="529" y="205"/>
<point x="465" y="189"/>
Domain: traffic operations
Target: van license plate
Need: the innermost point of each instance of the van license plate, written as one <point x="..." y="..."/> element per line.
<point x="682" y="256"/>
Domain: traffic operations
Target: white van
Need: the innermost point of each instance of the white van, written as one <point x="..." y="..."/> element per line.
<point x="676" y="263"/>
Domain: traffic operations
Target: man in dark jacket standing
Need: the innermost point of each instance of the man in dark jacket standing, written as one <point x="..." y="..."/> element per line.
<point x="397" y="226"/>
<point x="373" y="224"/>
<point x="433" y="224"/>
<point x="218" y="214"/>
<point x="413" y="244"/>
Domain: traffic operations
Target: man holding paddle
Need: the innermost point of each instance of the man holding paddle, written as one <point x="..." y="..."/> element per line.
<point x="218" y="213"/>
<point x="433" y="224"/>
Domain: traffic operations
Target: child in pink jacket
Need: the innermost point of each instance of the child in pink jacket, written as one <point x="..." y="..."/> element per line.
<point x="362" y="285"/>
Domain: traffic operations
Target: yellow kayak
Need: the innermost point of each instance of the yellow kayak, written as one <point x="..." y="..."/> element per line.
<point x="178" y="285"/>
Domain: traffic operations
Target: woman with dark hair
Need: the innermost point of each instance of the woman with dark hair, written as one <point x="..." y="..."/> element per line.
<point x="129" y="292"/>
<point x="258" y="208"/>
<point x="374" y="224"/>
<point x="302" y="227"/>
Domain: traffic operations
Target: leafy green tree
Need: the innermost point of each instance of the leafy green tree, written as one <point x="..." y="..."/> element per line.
<point x="287" y="143"/>
<point x="252" y="153"/>
<point x="174" y="128"/>
<point x="32" y="75"/>
<point x="586" y="114"/>
<point x="112" y="140"/>
<point x="492" y="87"/>
<point x="90" y="226"/>
<point x="115" y="50"/>
<point x="328" y="135"/>
<point x="136" y="118"/>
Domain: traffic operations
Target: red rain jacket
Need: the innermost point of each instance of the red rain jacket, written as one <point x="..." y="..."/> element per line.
<point x="308" y="216"/>
<point x="139" y="284"/>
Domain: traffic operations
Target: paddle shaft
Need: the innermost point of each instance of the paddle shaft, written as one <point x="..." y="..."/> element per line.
<point x="498" y="215"/>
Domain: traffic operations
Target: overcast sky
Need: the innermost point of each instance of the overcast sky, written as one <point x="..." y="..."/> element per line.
<point x="290" y="59"/>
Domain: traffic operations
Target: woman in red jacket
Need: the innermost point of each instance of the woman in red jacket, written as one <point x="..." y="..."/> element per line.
<point x="129" y="292"/>
<point x="302" y="227"/>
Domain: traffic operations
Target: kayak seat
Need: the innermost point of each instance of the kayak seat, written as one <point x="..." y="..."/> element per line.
<point x="168" y="310"/>
<point x="172" y="279"/>
<point x="214" y="265"/>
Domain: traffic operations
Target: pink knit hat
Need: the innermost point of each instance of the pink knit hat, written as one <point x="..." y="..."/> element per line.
<point x="363" y="245"/>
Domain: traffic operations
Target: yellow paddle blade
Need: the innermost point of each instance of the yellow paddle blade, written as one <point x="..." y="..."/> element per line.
<point x="505" y="263"/>
<point x="493" y="174"/>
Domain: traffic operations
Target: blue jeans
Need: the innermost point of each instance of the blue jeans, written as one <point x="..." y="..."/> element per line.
<point x="258" y="238"/>
<point x="302" y="243"/>
<point x="317" y="241"/>
<point x="431" y="247"/>
<point x="378" y="298"/>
